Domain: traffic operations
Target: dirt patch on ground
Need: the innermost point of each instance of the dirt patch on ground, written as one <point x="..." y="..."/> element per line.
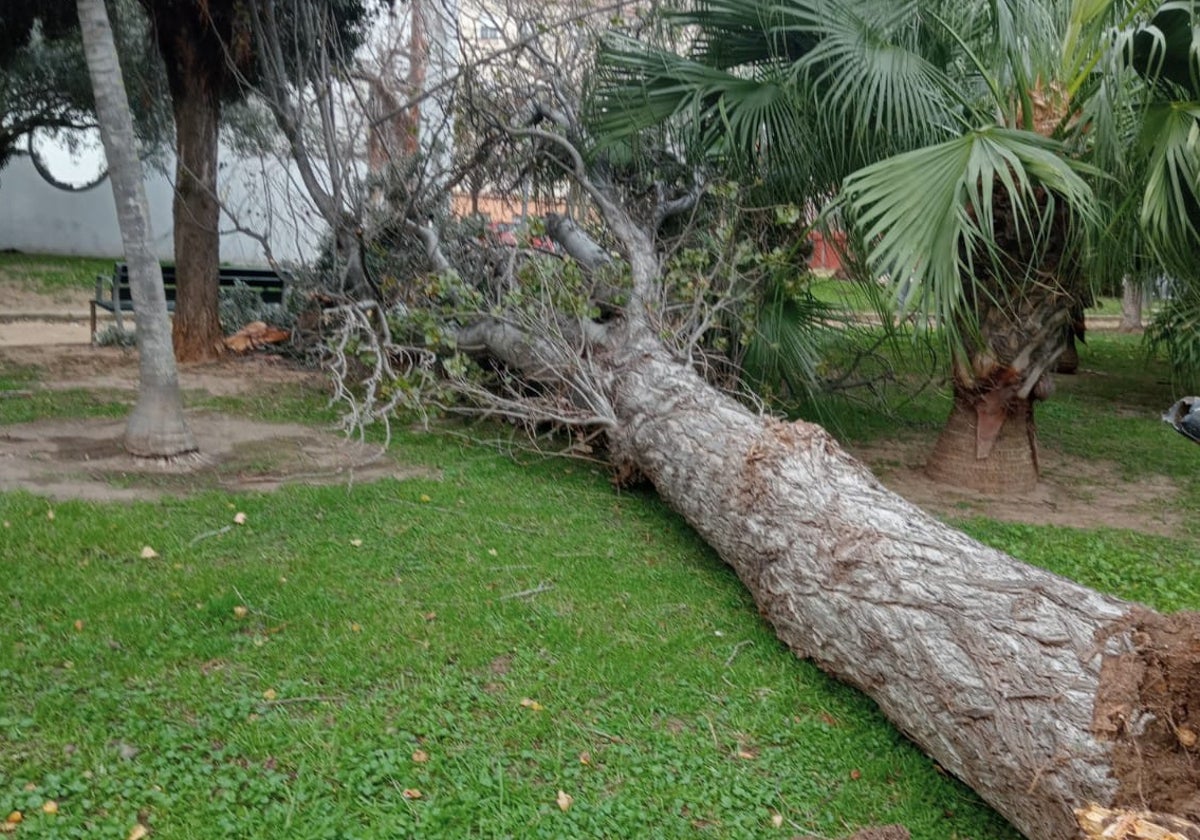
<point x="1073" y="492"/>
<point x="65" y="366"/>
<point x="84" y="458"/>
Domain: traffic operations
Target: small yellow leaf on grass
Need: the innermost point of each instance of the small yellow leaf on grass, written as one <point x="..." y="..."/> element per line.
<point x="412" y="793"/>
<point x="148" y="553"/>
<point x="425" y="498"/>
<point x="50" y="806"/>
<point x="527" y="703"/>
<point x="564" y="800"/>
<point x="429" y="616"/>
<point x="239" y="518"/>
<point x="270" y="694"/>
<point x="7" y="524"/>
<point x="420" y="756"/>
<point x="240" y="611"/>
<point x="78" y="624"/>
<point x="355" y="627"/>
<point x="15" y="817"/>
<point x="585" y="758"/>
<point x="138" y="832"/>
<point x="50" y="515"/>
<point x="492" y="552"/>
<point x="777" y="819"/>
<point x="356" y="543"/>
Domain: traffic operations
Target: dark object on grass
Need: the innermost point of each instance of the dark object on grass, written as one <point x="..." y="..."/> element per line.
<point x="1185" y="417"/>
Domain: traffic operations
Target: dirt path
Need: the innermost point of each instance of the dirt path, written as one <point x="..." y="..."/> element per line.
<point x="85" y="459"/>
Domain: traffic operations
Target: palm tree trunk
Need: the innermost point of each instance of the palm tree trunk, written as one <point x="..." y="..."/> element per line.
<point x="989" y="443"/>
<point x="1011" y="464"/>
<point x="156" y="427"/>
<point x="1043" y="696"/>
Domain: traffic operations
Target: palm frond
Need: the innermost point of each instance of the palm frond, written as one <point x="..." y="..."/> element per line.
<point x="1170" y="211"/>
<point x="926" y="214"/>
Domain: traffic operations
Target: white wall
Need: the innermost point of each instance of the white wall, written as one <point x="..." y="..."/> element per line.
<point x="37" y="218"/>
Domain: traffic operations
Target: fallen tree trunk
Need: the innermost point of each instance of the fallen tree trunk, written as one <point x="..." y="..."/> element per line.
<point x="1043" y="696"/>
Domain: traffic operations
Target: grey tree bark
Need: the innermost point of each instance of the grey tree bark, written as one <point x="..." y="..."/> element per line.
<point x="156" y="427"/>
<point x="1132" y="294"/>
<point x="1043" y="696"/>
<point x="1050" y="700"/>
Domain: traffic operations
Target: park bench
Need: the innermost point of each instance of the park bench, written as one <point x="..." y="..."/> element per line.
<point x="113" y="294"/>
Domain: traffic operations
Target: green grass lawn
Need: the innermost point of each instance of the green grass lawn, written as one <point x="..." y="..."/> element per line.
<point x="486" y="640"/>
<point x="442" y="657"/>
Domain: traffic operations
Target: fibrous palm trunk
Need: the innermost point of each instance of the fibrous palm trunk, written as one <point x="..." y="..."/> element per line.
<point x="156" y="427"/>
<point x="1021" y="324"/>
<point x="1042" y="695"/>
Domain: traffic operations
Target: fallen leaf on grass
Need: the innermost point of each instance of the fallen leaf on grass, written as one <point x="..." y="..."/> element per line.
<point x="355" y="627"/>
<point x="240" y="611"/>
<point x="585" y="758"/>
<point x="50" y="806"/>
<point x="50" y="515"/>
<point x="420" y="756"/>
<point x="239" y="518"/>
<point x="138" y="832"/>
<point x="270" y="694"/>
<point x="148" y="553"/>
<point x="412" y="793"/>
<point x="429" y="616"/>
<point x="356" y="543"/>
<point x="527" y="703"/>
<point x="855" y="774"/>
<point x="425" y="498"/>
<point x="564" y="800"/>
<point x="78" y="624"/>
<point x="15" y="817"/>
<point x="777" y="819"/>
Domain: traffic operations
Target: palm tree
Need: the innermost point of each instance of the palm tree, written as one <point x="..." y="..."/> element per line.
<point x="955" y="136"/>
<point x="156" y="427"/>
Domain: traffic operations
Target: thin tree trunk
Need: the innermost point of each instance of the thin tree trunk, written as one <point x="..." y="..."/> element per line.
<point x="1131" y="306"/>
<point x="1042" y="695"/>
<point x="156" y="427"/>
<point x="197" y="212"/>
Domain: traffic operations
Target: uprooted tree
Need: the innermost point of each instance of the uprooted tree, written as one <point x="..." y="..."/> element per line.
<point x="1067" y="710"/>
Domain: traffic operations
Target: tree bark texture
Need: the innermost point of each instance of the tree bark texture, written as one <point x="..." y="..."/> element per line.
<point x="1011" y="464"/>
<point x="156" y="427"/>
<point x="196" y="66"/>
<point x="1132" y="295"/>
<point x="1021" y="326"/>
<point x="1042" y="695"/>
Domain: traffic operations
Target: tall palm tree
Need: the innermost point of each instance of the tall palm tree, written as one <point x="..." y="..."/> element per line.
<point x="955" y="135"/>
<point x="156" y="427"/>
